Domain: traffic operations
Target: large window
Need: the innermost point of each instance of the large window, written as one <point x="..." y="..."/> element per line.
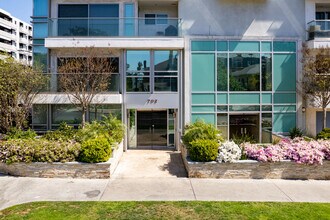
<point x="66" y="113"/>
<point x="144" y="74"/>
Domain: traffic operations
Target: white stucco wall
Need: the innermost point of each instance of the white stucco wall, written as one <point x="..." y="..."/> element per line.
<point x="257" y="18"/>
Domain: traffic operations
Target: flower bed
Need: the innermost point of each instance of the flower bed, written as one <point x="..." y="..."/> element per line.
<point x="64" y="170"/>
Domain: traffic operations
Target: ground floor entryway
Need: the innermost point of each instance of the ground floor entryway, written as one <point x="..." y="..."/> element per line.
<point x="150" y="164"/>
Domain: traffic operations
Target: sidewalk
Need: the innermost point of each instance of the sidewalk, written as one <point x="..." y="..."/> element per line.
<point x="21" y="190"/>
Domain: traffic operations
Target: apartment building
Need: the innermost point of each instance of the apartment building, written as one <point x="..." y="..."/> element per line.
<point x="15" y="38"/>
<point x="231" y="63"/>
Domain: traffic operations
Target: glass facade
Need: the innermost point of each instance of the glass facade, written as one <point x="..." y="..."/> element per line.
<point x="152" y="71"/>
<point x="257" y="78"/>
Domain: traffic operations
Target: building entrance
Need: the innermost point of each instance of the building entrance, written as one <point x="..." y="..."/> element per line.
<point x="151" y="129"/>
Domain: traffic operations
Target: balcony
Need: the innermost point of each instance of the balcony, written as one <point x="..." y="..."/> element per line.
<point x="318" y="29"/>
<point x="115" y="27"/>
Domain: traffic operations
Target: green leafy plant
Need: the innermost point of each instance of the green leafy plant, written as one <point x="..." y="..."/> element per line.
<point x="38" y="150"/>
<point x="95" y="150"/>
<point x="90" y="131"/>
<point x="64" y="133"/>
<point x="324" y="134"/>
<point x="15" y="133"/>
<point x="201" y="130"/>
<point x="203" y="150"/>
<point x="243" y="138"/>
<point x="114" y="127"/>
<point x="295" y="132"/>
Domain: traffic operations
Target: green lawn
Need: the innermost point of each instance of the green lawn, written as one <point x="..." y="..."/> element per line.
<point x="167" y="210"/>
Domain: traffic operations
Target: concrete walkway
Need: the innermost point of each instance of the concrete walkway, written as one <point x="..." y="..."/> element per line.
<point x="157" y="181"/>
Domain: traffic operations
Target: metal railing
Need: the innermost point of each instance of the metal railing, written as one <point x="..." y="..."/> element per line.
<point x="114" y="27"/>
<point x="318" y="29"/>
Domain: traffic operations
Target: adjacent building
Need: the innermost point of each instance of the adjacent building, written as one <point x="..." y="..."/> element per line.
<point x="15" y="38"/>
<point x="231" y="63"/>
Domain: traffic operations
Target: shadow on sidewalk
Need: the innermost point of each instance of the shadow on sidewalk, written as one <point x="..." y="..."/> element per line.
<point x="175" y="166"/>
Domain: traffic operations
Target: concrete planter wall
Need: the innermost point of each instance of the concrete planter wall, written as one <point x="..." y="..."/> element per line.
<point x="65" y="170"/>
<point x="250" y="169"/>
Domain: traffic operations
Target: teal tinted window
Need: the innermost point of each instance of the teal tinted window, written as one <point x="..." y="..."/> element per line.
<point x="166" y="60"/>
<point x="73" y="11"/>
<point x="284" y="46"/>
<point x="40" y="30"/>
<point x="104" y="10"/>
<point x="244" y="46"/>
<point x="208" y="118"/>
<point x="203" y="45"/>
<point x="222" y="99"/>
<point x="244" y="98"/>
<point x="222" y="46"/>
<point x="203" y="72"/>
<point x="138" y="60"/>
<point x="38" y="41"/>
<point x="267" y="108"/>
<point x="266" y="68"/>
<point x="203" y="109"/>
<point x="285" y="108"/>
<point x="203" y="99"/>
<point x="266" y="46"/>
<point x="283" y="122"/>
<point x="244" y="108"/>
<point x="267" y="98"/>
<point x="40" y="8"/>
<point x="222" y="67"/>
<point x="244" y="72"/>
<point x="284" y="98"/>
<point x="40" y="57"/>
<point x="129" y="19"/>
<point x="284" y="72"/>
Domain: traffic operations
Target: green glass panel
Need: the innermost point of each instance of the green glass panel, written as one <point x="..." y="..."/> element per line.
<point x="203" y="45"/>
<point x="266" y="46"/>
<point x="222" y="108"/>
<point x="203" y="99"/>
<point x="244" y="46"/>
<point x="244" y="98"/>
<point x="284" y="72"/>
<point x="285" y="108"/>
<point x="284" y="98"/>
<point x="222" y="46"/>
<point x="284" y="46"/>
<point x="267" y="98"/>
<point x="267" y="108"/>
<point x="208" y="118"/>
<point x="283" y="122"/>
<point x="222" y="72"/>
<point x="38" y="41"/>
<point x="222" y="119"/>
<point x="222" y="99"/>
<point x="203" y="72"/>
<point x="203" y="109"/>
<point x="244" y="108"/>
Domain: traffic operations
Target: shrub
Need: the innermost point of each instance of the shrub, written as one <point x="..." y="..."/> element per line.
<point x="295" y="132"/>
<point x="114" y="127"/>
<point x="203" y="150"/>
<point x="243" y="138"/>
<point x="95" y="150"/>
<point x="201" y="130"/>
<point x="15" y="134"/>
<point x="38" y="150"/>
<point x="90" y="131"/>
<point x="229" y="152"/>
<point x="324" y="134"/>
<point x="63" y="133"/>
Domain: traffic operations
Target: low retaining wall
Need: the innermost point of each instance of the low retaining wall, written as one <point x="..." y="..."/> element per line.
<point x="65" y="170"/>
<point x="250" y="169"/>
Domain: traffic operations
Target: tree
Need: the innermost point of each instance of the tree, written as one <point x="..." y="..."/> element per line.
<point x="315" y="80"/>
<point x="82" y="77"/>
<point x="19" y="84"/>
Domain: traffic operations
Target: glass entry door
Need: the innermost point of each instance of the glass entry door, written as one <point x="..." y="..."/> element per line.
<point x="151" y="128"/>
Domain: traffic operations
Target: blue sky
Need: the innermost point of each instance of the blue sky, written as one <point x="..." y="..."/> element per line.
<point x="21" y="9"/>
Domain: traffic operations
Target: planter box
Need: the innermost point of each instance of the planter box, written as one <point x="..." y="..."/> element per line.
<point x="65" y="170"/>
<point x="251" y="169"/>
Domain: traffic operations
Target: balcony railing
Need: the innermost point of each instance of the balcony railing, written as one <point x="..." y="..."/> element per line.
<point x="115" y="27"/>
<point x="318" y="29"/>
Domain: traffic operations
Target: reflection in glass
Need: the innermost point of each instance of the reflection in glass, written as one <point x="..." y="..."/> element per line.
<point x="138" y="60"/>
<point x="267" y="128"/>
<point x="72" y="27"/>
<point x="222" y="124"/>
<point x="96" y="112"/>
<point x="266" y="69"/>
<point x="39" y="114"/>
<point x="103" y="27"/>
<point x="166" y="60"/>
<point x="132" y="133"/>
<point x="242" y="108"/>
<point x="222" y="108"/>
<point x="66" y="113"/>
<point x="169" y="84"/>
<point x="244" y="72"/>
<point x="245" y="127"/>
<point x="267" y="108"/>
<point x="222" y="72"/>
<point x="138" y="84"/>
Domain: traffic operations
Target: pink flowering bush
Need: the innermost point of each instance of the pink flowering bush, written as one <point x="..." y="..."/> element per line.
<point x="298" y="150"/>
